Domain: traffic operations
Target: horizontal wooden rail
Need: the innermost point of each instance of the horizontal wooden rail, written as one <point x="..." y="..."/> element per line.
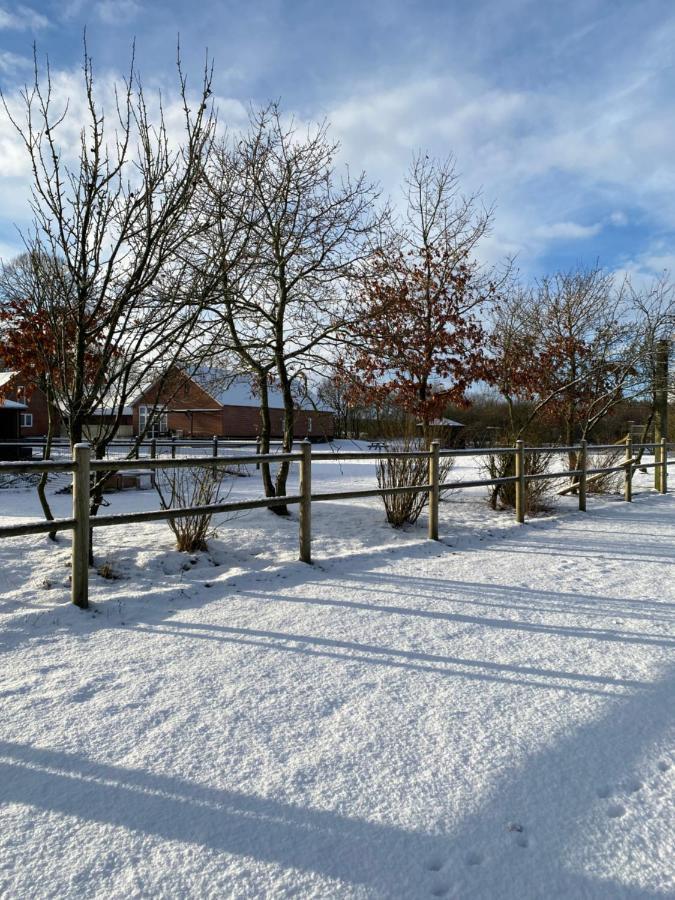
<point x="42" y="527"/>
<point x="372" y="492"/>
<point x="189" y="462"/>
<point x="27" y="467"/>
<point x="483" y="482"/>
<point x="158" y="515"/>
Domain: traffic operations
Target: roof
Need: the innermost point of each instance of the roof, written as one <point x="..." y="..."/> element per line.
<point x="231" y="389"/>
<point x="234" y="390"/>
<point x="6" y="377"/>
<point x="445" y="423"/>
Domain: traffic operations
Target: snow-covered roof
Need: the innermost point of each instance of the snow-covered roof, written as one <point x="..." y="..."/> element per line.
<point x="230" y="389"/>
<point x="6" y="377"/>
<point x="234" y="390"/>
<point x="447" y="423"/>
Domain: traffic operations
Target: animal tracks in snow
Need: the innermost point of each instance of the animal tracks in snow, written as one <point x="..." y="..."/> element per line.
<point x="436" y="864"/>
<point x="627" y="792"/>
<point x="616" y="802"/>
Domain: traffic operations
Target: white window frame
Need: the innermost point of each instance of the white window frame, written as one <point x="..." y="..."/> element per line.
<point x="159" y="425"/>
<point x="26" y="420"/>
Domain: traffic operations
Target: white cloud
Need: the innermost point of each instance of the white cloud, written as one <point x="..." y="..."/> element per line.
<point x="117" y="12"/>
<point x="11" y="63"/>
<point x="22" y="18"/>
<point x="618" y="219"/>
<point x="566" y="231"/>
<point x="545" y="157"/>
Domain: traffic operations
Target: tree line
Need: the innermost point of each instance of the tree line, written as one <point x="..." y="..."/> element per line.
<point x="254" y="250"/>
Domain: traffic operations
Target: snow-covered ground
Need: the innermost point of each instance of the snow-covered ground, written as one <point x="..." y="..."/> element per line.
<point x="492" y="716"/>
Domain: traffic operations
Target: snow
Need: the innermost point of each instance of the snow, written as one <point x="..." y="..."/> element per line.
<point x="490" y="716"/>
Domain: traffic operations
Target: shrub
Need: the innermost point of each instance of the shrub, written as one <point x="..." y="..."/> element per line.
<point x="405" y="508"/>
<point x="185" y="487"/>
<point x="608" y="482"/>
<point x="503" y="496"/>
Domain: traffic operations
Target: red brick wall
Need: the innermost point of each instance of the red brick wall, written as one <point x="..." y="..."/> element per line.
<point x="244" y="422"/>
<point x="181" y="394"/>
<point x="37" y="405"/>
<point x="22" y="391"/>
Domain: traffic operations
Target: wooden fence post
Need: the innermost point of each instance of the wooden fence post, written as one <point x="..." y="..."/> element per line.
<point x="215" y="445"/>
<point x="434" y="490"/>
<point x="153" y="448"/>
<point x="663" y="481"/>
<point x="80" y="548"/>
<point x="173" y="447"/>
<point x="520" y="482"/>
<point x="582" y="466"/>
<point x="257" y="452"/>
<point x="628" y="472"/>
<point x="306" y="502"/>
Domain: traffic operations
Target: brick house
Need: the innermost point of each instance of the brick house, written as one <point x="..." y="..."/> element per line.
<point x="28" y="401"/>
<point x="213" y="403"/>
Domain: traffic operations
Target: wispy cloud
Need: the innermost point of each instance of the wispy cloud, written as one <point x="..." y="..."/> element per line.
<point x="566" y="231"/>
<point x="117" y="12"/>
<point x="22" y="18"/>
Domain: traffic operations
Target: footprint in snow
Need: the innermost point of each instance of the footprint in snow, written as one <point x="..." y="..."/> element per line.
<point x="663" y="765"/>
<point x="474" y="858"/>
<point x="435" y="864"/>
<point x="520" y="839"/>
<point x="440" y="890"/>
<point x="615" y="811"/>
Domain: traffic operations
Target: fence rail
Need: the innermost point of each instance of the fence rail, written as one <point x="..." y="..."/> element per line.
<point x="82" y="466"/>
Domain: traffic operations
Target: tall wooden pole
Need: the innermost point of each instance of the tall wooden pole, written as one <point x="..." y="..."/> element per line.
<point x="81" y="535"/>
<point x="520" y="481"/>
<point x="306" y="502"/>
<point x="628" y="470"/>
<point x="434" y="490"/>
<point x="660" y="400"/>
<point x="582" y="465"/>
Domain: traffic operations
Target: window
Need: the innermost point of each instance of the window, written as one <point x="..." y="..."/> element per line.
<point x="26" y="420"/>
<point x="158" y="425"/>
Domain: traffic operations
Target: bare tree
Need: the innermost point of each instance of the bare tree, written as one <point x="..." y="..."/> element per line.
<point x="113" y="219"/>
<point x="303" y="231"/>
<point x="114" y="222"/>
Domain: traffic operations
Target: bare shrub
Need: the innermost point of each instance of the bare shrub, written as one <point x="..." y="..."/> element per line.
<point x="503" y="496"/>
<point x="187" y="487"/>
<point x="608" y="482"/>
<point x="408" y="471"/>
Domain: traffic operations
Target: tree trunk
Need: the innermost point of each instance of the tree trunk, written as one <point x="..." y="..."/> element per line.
<point x="42" y="483"/>
<point x="265" y="434"/>
<point x="287" y="440"/>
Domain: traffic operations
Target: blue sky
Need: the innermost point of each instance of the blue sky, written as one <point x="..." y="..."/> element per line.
<point x="561" y="113"/>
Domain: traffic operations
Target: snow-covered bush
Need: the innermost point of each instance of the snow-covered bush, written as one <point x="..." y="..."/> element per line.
<point x="187" y="487"/>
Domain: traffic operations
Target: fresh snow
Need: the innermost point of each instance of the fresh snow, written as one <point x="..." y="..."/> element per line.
<point x="490" y="716"/>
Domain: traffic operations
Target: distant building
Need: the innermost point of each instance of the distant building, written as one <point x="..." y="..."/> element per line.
<point x="209" y="403"/>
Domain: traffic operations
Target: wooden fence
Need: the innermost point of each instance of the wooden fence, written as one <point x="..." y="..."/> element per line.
<point x="81" y="466"/>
